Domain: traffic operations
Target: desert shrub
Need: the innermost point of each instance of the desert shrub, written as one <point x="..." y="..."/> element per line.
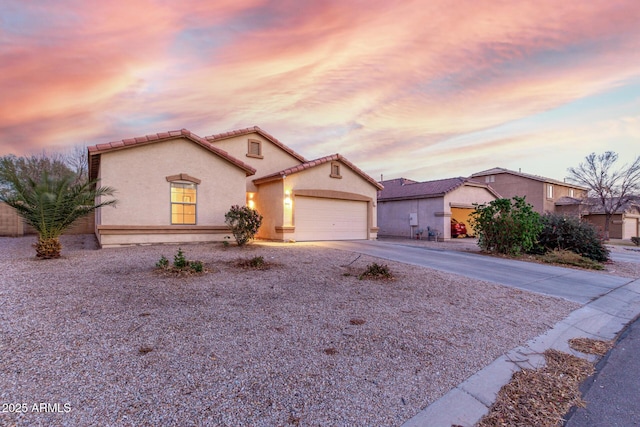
<point x="635" y="240"/>
<point x="561" y="232"/>
<point x="179" y="260"/>
<point x="566" y="257"/>
<point x="180" y="264"/>
<point x="244" y="223"/>
<point x="257" y="262"/>
<point x="506" y="226"/>
<point x="376" y="271"/>
<point x="163" y="262"/>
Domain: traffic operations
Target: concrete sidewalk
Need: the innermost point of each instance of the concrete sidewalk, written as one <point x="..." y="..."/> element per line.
<point x="601" y="319"/>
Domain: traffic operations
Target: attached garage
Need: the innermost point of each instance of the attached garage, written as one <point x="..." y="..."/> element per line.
<point x="630" y="227"/>
<point x="318" y="218"/>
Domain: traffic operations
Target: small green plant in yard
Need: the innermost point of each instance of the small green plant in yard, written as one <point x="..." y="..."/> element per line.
<point x="196" y="266"/>
<point x="179" y="260"/>
<point x="225" y="242"/>
<point x="567" y="257"/>
<point x="256" y="262"/>
<point x="636" y="240"/>
<point x="163" y="262"/>
<point x="180" y="264"/>
<point x="376" y="271"/>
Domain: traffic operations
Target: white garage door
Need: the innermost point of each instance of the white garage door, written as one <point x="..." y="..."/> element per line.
<point x="330" y="219"/>
<point x="629" y="228"/>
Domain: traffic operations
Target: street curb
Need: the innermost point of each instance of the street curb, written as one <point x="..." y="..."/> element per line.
<point x="603" y="318"/>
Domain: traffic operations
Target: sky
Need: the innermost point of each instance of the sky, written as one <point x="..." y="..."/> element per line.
<point x="424" y="90"/>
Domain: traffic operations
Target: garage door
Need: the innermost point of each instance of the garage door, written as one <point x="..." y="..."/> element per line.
<point x="630" y="228"/>
<point x="329" y="219"/>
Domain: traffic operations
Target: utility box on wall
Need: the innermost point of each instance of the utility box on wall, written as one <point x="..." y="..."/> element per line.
<point x="413" y="219"/>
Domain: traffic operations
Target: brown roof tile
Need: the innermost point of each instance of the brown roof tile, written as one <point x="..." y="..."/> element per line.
<point x="401" y="188"/>
<point x="96" y="150"/>
<point x="314" y="163"/>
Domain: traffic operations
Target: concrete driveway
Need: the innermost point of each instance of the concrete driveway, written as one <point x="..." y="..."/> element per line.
<point x="571" y="284"/>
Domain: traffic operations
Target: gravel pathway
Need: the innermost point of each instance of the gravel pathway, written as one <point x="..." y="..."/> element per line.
<point x="100" y="338"/>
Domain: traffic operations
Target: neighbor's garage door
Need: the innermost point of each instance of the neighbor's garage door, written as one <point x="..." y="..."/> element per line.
<point x="330" y="219"/>
<point x="629" y="228"/>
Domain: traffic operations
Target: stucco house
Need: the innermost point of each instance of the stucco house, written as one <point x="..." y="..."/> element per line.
<point x="541" y="192"/>
<point x="322" y="199"/>
<point x="624" y="223"/>
<point x="177" y="186"/>
<point x="406" y="207"/>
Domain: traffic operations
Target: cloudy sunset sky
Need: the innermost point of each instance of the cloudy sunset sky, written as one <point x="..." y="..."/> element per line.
<point x="422" y="89"/>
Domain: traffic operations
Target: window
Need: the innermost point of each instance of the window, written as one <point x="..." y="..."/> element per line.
<point x="571" y="193"/>
<point x="254" y="149"/>
<point x="183" y="203"/>
<point x="549" y="191"/>
<point x="490" y="178"/>
<point x="335" y="170"/>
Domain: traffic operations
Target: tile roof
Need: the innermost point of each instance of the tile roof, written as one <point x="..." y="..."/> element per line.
<point x="255" y="129"/>
<point x="401" y="188"/>
<point x="313" y="163"/>
<point x="498" y="170"/>
<point x="94" y="151"/>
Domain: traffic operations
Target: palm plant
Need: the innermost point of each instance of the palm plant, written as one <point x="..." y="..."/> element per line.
<point x="52" y="204"/>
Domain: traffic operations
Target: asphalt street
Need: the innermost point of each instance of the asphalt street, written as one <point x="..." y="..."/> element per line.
<point x="613" y="394"/>
<point x="571" y="284"/>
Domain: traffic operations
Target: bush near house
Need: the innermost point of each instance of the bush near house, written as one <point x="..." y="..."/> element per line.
<point x="561" y="232"/>
<point x="244" y="223"/>
<point x="636" y="240"/>
<point x="506" y="226"/>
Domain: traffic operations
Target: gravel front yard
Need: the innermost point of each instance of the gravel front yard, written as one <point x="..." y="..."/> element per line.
<point x="302" y="343"/>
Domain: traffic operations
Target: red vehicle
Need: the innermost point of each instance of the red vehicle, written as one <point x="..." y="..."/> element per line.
<point x="458" y="229"/>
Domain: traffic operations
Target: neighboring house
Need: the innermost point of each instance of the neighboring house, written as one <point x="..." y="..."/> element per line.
<point x="543" y="193"/>
<point x="406" y="207"/>
<point x="625" y="222"/>
<point x="177" y="186"/>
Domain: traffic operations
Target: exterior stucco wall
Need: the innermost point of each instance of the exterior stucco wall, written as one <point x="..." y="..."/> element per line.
<point x="467" y="195"/>
<point x="279" y="217"/>
<point x="393" y="217"/>
<point x="270" y="204"/>
<point x="318" y="178"/>
<point x="273" y="159"/>
<point x="509" y="186"/>
<point x="139" y="176"/>
<point x="535" y="192"/>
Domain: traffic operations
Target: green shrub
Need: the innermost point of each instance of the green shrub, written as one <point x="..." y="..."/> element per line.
<point x="244" y="223"/>
<point x="506" y="226"/>
<point x="561" y="232"/>
<point x="180" y="264"/>
<point x="196" y="266"/>
<point x="635" y="240"/>
<point x="376" y="271"/>
<point x="179" y="260"/>
<point x="162" y="262"/>
<point x="257" y="262"/>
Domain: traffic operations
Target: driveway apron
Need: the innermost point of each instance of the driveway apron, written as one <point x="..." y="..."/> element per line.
<point x="571" y="284"/>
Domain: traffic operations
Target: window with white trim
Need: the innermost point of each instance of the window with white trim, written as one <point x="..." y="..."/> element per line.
<point x="549" y="191"/>
<point x="183" y="203"/>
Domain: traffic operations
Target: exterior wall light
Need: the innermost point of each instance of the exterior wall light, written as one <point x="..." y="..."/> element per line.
<point x="287" y="198"/>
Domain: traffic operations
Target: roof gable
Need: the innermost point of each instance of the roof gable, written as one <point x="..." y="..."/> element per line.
<point x="313" y="163"/>
<point x="397" y="190"/>
<point x="96" y="150"/>
<point x="212" y="139"/>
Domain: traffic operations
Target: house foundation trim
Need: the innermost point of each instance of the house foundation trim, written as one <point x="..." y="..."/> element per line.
<point x="162" y="229"/>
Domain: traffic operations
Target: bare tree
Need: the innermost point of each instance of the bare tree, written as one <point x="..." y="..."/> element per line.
<point x="610" y="187"/>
